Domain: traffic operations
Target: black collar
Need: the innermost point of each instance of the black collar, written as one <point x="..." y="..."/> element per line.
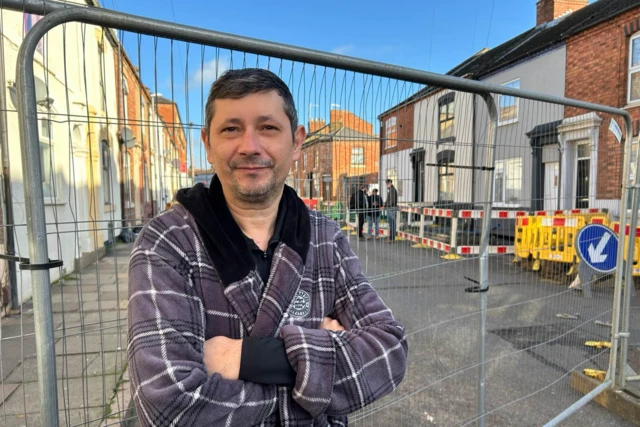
<point x="222" y="237"/>
<point x="277" y="231"/>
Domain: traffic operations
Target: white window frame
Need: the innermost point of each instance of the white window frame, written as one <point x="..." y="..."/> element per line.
<point x="390" y="126"/>
<point x="357" y="164"/>
<point x="125" y="99"/>
<point x="304" y="160"/>
<point x="49" y="190"/>
<point x="516" y="102"/>
<point x="632" y="69"/>
<point x="502" y="168"/>
<point x="106" y="172"/>
<point x="316" y="159"/>
<point x="128" y="180"/>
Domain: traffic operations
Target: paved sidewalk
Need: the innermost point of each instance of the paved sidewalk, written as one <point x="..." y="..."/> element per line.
<point x="90" y="321"/>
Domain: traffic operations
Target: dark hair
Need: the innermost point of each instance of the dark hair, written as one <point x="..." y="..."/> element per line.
<point x="389" y="181"/>
<point x="375" y="190"/>
<point x="236" y="84"/>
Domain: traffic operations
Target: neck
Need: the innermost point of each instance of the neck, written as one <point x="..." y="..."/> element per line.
<point x="257" y="221"/>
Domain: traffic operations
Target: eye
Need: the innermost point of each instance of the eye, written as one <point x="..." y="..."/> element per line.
<point x="269" y="127"/>
<point x="229" y="129"/>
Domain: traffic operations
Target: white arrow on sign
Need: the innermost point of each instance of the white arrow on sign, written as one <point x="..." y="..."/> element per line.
<point x="596" y="254"/>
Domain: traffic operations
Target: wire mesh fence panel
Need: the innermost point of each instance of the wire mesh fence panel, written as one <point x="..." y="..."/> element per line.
<point x="414" y="174"/>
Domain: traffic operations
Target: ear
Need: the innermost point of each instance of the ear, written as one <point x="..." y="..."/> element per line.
<point x="205" y="140"/>
<point x="298" y="139"/>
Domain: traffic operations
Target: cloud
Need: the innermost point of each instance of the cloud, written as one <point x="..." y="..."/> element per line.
<point x="344" y="49"/>
<point x="209" y="72"/>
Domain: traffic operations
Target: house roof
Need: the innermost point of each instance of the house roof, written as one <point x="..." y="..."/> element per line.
<point x="337" y="131"/>
<point x="543" y="37"/>
<point x="533" y="42"/>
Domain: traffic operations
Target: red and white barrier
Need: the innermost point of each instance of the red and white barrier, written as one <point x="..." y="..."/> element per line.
<point x="569" y="212"/>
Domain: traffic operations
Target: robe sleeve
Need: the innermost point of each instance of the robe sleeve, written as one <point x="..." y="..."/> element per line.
<point x="341" y="372"/>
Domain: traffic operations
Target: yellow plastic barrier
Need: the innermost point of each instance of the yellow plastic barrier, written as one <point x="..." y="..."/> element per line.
<point x="557" y="238"/>
<point x="527" y="229"/>
<point x="615" y="226"/>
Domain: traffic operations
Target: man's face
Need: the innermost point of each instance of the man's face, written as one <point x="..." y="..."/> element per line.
<point x="251" y="146"/>
<point x="388" y="184"/>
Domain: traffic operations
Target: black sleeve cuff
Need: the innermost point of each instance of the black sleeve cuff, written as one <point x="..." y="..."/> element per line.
<point x="264" y="361"/>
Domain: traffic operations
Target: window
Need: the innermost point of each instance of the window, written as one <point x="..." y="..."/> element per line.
<point x="634" y="69"/>
<point x="508" y="110"/>
<point x="106" y="175"/>
<point x="357" y="156"/>
<point x="295" y="165"/>
<point x="128" y="184"/>
<point x="446" y="118"/>
<point x="507" y="182"/>
<point x="145" y="183"/>
<point x="125" y="100"/>
<point x="446" y="177"/>
<point x="390" y="133"/>
<point x="304" y="161"/>
<point x="316" y="159"/>
<point x="47" y="157"/>
<point x="103" y="92"/>
<point x="143" y="124"/>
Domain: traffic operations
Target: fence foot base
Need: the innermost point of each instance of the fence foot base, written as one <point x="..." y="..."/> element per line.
<point x="617" y="401"/>
<point x="516" y="259"/>
<point x="571" y="270"/>
<point x="536" y="265"/>
<point x="451" y="256"/>
<point x="419" y="246"/>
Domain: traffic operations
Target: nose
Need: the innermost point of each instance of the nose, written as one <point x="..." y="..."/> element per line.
<point x="250" y="145"/>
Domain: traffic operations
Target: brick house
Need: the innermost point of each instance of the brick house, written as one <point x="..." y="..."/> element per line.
<point x="175" y="146"/>
<point x="133" y="134"/>
<point x="603" y="66"/>
<point x="578" y="50"/>
<point x="335" y="157"/>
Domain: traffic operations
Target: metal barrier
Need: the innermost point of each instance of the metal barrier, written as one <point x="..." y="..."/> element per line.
<point x="473" y="322"/>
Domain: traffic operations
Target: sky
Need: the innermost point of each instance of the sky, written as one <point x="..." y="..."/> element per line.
<point x="423" y="34"/>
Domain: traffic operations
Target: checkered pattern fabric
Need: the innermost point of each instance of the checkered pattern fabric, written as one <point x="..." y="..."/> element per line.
<point x="177" y="301"/>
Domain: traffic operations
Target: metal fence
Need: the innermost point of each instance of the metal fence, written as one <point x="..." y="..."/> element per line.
<point x="495" y="331"/>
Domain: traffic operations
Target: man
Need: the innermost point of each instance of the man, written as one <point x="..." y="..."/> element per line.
<point x="245" y="307"/>
<point x="359" y="203"/>
<point x="374" y="212"/>
<point x="391" y="206"/>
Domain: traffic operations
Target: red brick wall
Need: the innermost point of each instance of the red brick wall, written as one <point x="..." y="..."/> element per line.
<point x="404" y="130"/>
<point x="351" y="121"/>
<point x="323" y="151"/>
<point x="314" y="125"/>
<point x="597" y="71"/>
<point x="548" y="10"/>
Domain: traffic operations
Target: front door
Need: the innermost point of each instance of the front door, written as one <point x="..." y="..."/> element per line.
<point x="582" y="176"/>
<point x="418" y="177"/>
<point x="551" y="186"/>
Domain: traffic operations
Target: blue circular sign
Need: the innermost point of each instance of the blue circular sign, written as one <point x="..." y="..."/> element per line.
<point x="597" y="245"/>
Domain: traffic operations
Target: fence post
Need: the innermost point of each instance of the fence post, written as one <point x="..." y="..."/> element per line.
<point x="625" y="306"/>
<point x="492" y="135"/>
<point x="37" y="229"/>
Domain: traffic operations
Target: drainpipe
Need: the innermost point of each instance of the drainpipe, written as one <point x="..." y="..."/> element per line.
<point x="6" y="181"/>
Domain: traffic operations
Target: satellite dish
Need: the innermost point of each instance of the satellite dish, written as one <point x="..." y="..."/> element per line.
<point x="127" y="137"/>
<point x="41" y="94"/>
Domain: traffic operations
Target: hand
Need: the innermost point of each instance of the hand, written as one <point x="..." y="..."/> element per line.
<point x="222" y="355"/>
<point x="331" y="324"/>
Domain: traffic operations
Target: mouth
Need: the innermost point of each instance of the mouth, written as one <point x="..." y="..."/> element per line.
<point x="251" y="168"/>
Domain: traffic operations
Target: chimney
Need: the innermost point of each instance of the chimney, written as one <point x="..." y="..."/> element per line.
<point x="548" y="10"/>
<point x="315" y="124"/>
